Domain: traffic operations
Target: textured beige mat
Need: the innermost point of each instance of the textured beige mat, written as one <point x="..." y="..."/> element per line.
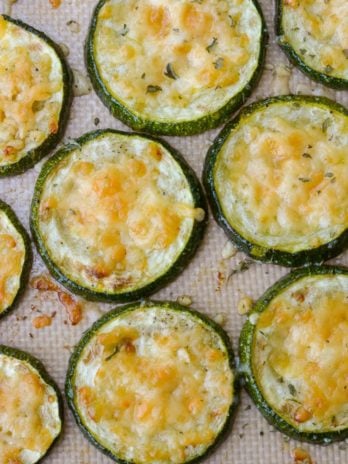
<point x="253" y="440"/>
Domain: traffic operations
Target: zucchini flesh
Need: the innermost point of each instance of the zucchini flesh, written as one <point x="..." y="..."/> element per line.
<point x="137" y="384"/>
<point x="276" y="177"/>
<point x="314" y="35"/>
<point x="16" y="254"/>
<point x="35" y="87"/>
<point x="292" y="350"/>
<point x="213" y="54"/>
<point x="25" y="386"/>
<point x="117" y="215"/>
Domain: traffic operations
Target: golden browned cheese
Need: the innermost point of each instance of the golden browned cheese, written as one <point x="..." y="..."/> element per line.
<point x="318" y="30"/>
<point x="116" y="213"/>
<point x="211" y="47"/>
<point x="300" y="357"/>
<point x="28" y="413"/>
<point x="30" y="91"/>
<point x="163" y="394"/>
<point x="281" y="177"/>
<point x="12" y="253"/>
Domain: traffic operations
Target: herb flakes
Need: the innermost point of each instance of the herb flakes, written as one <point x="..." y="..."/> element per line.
<point x="212" y="45"/>
<point x="124" y="30"/>
<point x="292" y="389"/>
<point x="304" y="179"/>
<point x="169" y="72"/>
<point x="326" y="124"/>
<point x="218" y="64"/>
<point x="306" y="155"/>
<point x="153" y="89"/>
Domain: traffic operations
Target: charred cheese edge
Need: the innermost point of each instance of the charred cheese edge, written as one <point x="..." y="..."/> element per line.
<point x="25" y="437"/>
<point x="280" y="173"/>
<point x="152" y="383"/>
<point x="15" y="255"/>
<point x="32" y="94"/>
<point x="116" y="212"/>
<point x="317" y="31"/>
<point x="175" y="61"/>
<point x="299" y="356"/>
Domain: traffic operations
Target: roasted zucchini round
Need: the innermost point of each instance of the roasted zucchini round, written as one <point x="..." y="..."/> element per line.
<point x="35" y="91"/>
<point x="153" y="382"/>
<point x="31" y="408"/>
<point x="314" y="35"/>
<point x="116" y="216"/>
<point x="16" y="257"/>
<point x="175" y="67"/>
<point x="293" y="350"/>
<point x="276" y="177"/>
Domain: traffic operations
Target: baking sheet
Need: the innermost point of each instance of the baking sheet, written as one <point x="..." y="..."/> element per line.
<point x="253" y="440"/>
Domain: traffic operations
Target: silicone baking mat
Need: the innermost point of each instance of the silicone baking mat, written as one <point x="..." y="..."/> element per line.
<point x="252" y="440"/>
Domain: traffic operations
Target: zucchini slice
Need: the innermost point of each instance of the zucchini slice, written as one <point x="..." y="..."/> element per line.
<point x="31" y="408"/>
<point x="35" y="91"/>
<point x="16" y="256"/>
<point x="175" y="67"/>
<point x="293" y="350"/>
<point x="116" y="216"/>
<point x="153" y="382"/>
<point x="314" y="35"/>
<point x="277" y="180"/>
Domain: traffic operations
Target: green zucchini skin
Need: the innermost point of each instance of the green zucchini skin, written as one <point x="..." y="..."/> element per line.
<point x="28" y="259"/>
<point x="40" y="368"/>
<point x="295" y="59"/>
<point x="269" y="255"/>
<point x="176" y="268"/>
<point x="35" y="155"/>
<point x="69" y="385"/>
<point x="190" y="127"/>
<point x="245" y="355"/>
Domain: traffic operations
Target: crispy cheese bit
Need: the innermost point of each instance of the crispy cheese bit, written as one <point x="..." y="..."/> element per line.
<point x="302" y="414"/>
<point x="72" y="307"/>
<point x="185" y="300"/>
<point x="245" y="305"/>
<point x="43" y="284"/>
<point x="41" y="322"/>
<point x="301" y="456"/>
<point x="55" y="3"/>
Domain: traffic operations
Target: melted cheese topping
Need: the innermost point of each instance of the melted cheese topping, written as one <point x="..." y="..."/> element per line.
<point x="117" y="213"/>
<point x="154" y="386"/>
<point x="29" y="413"/>
<point x="31" y="92"/>
<point x="176" y="60"/>
<point x="281" y="176"/>
<point x="12" y="255"/>
<point x="300" y="353"/>
<point x="318" y="31"/>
